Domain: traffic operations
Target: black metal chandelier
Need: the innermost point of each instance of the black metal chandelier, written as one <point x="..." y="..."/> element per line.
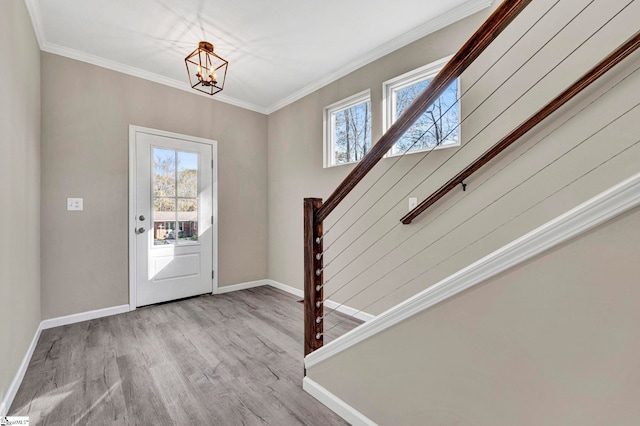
<point x="207" y="71"/>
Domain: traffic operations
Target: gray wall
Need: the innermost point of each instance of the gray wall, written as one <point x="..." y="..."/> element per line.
<point x="545" y="174"/>
<point x="19" y="186"/>
<point x="267" y="165"/>
<point x="296" y="143"/>
<point x="86" y="113"/>
<point x="553" y="341"/>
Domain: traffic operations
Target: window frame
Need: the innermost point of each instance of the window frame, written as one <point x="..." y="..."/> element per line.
<point x="389" y="87"/>
<point x="176" y="197"/>
<point x="329" y="112"/>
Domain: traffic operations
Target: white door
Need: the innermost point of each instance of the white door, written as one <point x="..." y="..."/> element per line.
<point x="173" y="230"/>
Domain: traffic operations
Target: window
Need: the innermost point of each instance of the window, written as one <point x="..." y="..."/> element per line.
<point x="439" y="126"/>
<point x="347" y="130"/>
<point x="175" y="196"/>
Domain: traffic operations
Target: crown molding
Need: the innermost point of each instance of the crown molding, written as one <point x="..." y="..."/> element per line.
<point x="454" y="15"/>
<point x="36" y="20"/>
<point x="459" y="12"/>
<point x="146" y="75"/>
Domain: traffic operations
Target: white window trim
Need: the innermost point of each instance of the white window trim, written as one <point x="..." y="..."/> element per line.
<point x="328" y="152"/>
<point x="407" y="79"/>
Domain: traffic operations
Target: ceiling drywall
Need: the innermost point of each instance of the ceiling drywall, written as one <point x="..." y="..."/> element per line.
<point x="279" y="50"/>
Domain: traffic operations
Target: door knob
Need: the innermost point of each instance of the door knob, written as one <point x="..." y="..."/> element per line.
<point x="141" y="218"/>
<point x="139" y="230"/>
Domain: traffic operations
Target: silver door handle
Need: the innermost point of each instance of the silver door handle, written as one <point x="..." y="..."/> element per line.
<point x="139" y="230"/>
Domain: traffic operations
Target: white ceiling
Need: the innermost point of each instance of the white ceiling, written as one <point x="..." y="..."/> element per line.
<point x="278" y="50"/>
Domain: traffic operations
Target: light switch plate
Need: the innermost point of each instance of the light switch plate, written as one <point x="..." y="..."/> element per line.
<point x="413" y="203"/>
<point x="74" y="204"/>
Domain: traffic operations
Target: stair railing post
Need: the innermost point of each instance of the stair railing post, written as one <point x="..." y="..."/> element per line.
<point x="313" y="277"/>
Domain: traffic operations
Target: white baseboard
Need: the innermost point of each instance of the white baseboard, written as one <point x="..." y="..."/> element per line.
<point x="114" y="310"/>
<point x="241" y="286"/>
<point x="83" y="316"/>
<point x="287" y="288"/>
<point x="347" y="310"/>
<point x="335" y="404"/>
<point x="5" y="404"/>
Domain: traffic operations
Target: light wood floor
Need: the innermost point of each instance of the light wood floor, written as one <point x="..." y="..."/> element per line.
<point x="229" y="359"/>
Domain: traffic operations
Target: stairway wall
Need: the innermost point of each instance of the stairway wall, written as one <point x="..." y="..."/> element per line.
<point x="553" y="341"/>
<point x="20" y="191"/>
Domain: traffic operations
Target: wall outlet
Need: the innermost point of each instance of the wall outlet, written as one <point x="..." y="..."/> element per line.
<point x="74" y="204"/>
<point x="413" y="203"/>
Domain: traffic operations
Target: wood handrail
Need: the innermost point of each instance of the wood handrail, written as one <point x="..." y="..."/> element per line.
<point x="478" y="42"/>
<point x="583" y="82"/>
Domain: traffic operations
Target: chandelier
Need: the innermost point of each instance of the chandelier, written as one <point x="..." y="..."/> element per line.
<point x="207" y="71"/>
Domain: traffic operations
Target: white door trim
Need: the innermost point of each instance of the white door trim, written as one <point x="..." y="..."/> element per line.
<point x="132" y="202"/>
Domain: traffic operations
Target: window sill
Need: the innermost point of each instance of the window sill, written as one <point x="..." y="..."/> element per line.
<point x="341" y="164"/>
<point x="422" y="151"/>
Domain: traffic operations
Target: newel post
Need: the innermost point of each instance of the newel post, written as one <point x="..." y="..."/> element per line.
<point x="313" y="277"/>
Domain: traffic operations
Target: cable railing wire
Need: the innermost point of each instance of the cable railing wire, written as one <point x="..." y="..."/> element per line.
<point x="466" y="118"/>
<point x="475" y="188"/>
<point x="458" y="151"/>
<point x="455" y="128"/>
<point x="446" y="111"/>
<point x="489" y="205"/>
<point x="484" y="236"/>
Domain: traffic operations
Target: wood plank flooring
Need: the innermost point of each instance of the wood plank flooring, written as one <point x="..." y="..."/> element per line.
<point x="229" y="359"/>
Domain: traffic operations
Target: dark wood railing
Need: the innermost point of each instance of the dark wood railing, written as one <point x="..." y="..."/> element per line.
<point x="315" y="212"/>
<point x="582" y="83"/>
<point x="313" y="292"/>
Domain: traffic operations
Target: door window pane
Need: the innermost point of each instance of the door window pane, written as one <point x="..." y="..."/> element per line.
<point x="164" y="232"/>
<point x="187" y="174"/>
<point x="187" y="220"/>
<point x="164" y="172"/>
<point x="165" y="204"/>
<point x="164" y="220"/>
